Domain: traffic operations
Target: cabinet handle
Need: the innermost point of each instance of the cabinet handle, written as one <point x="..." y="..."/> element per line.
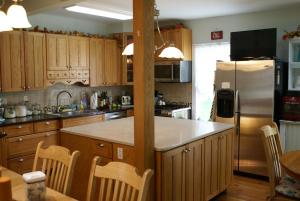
<point x="20" y="139"/>
<point x="47" y="123"/>
<point x="101" y="145"/>
<point x="24" y="87"/>
<point x="189" y="149"/>
<point x="185" y="151"/>
<point x="28" y="87"/>
<point x="21" y="160"/>
<point x="47" y="135"/>
<point x="19" y="127"/>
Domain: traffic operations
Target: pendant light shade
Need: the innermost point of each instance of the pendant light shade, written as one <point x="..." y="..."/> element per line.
<point x="17" y="16"/>
<point x="128" y="50"/>
<point x="5" y="24"/>
<point x="171" y="52"/>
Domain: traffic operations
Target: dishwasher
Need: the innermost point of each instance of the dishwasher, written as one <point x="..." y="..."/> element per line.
<point x="115" y="115"/>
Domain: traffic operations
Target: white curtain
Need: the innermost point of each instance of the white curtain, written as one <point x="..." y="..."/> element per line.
<point x="204" y="66"/>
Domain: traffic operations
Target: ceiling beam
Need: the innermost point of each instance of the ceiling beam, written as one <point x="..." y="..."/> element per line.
<point x="34" y="6"/>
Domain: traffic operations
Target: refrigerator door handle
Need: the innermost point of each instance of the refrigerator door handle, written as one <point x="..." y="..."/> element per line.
<point x="237" y="101"/>
<point x="237" y="112"/>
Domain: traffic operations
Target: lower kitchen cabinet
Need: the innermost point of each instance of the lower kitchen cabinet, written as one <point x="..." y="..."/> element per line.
<point x="218" y="163"/>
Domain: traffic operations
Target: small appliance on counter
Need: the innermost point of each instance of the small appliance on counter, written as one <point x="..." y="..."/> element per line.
<point x="9" y="112"/>
<point x="126" y="100"/>
<point x="21" y="111"/>
<point x="94" y="101"/>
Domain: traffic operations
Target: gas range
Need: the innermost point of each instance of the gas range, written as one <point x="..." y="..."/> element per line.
<point x="174" y="110"/>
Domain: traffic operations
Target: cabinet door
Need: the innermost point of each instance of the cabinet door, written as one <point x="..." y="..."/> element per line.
<point x="79" y="52"/>
<point x="211" y="166"/>
<point x="57" y="52"/>
<point x="173" y="171"/>
<point x="12" y="61"/>
<point x="225" y="159"/>
<point x="96" y="62"/>
<point x="194" y="187"/>
<point x="34" y="45"/>
<point x="112" y="68"/>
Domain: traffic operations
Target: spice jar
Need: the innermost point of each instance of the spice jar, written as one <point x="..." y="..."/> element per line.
<point x="35" y="186"/>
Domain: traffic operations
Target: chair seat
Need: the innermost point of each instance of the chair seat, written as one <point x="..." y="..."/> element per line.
<point x="288" y="186"/>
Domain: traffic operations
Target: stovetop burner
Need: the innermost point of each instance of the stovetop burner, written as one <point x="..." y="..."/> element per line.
<point x="172" y="106"/>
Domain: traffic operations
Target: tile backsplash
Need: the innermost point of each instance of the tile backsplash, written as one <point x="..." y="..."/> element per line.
<point x="175" y="92"/>
<point x="48" y="95"/>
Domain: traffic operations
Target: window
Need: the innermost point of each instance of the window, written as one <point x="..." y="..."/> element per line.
<point x="204" y="66"/>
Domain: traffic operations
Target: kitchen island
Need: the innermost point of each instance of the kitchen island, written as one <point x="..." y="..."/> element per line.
<point x="193" y="158"/>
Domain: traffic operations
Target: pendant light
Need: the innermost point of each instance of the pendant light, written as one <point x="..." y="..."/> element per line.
<point x="4" y="25"/>
<point x="17" y="16"/>
<point x="169" y="52"/>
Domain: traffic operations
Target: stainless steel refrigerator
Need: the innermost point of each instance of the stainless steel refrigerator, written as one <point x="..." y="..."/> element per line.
<point x="253" y="85"/>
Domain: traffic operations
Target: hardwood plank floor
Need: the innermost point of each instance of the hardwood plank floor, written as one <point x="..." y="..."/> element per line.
<point x="247" y="189"/>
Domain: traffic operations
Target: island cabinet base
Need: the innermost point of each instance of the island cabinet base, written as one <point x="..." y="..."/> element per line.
<point x="197" y="171"/>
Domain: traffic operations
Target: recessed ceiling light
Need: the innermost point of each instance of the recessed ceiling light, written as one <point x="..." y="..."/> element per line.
<point x="98" y="12"/>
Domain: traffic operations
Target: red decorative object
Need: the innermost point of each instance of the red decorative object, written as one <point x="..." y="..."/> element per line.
<point x="216" y="35"/>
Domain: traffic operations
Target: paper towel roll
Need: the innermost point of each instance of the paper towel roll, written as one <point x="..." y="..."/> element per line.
<point x="5" y="189"/>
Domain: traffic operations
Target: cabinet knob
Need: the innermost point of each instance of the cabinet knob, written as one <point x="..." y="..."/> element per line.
<point x="24" y="87"/>
<point x="20" y="139"/>
<point x="101" y="145"/>
<point x="21" y="160"/>
<point x="28" y="87"/>
<point x="19" y="126"/>
<point x="47" y="123"/>
<point x="47" y="135"/>
<point x="185" y="151"/>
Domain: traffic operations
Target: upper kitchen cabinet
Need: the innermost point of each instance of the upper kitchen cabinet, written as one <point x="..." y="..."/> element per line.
<point x="112" y="62"/>
<point x="104" y="62"/>
<point x="12" y="61"/>
<point x="294" y="64"/>
<point x="181" y="38"/>
<point x="35" y="60"/>
<point x="97" y="62"/>
<point x="79" y="52"/>
<point x="67" y="59"/>
<point x="126" y="62"/>
<point x="57" y="52"/>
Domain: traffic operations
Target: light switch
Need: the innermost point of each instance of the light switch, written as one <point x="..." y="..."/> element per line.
<point x="120" y="153"/>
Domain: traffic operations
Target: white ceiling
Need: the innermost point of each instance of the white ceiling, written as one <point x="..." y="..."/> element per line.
<point x="184" y="9"/>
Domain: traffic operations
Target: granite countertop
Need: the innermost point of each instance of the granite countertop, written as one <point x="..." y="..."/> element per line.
<point x="169" y="133"/>
<point x="45" y="117"/>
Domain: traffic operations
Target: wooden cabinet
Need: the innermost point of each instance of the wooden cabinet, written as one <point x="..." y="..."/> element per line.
<point x="35" y="60"/>
<point x="218" y="163"/>
<point x="130" y="113"/>
<point x="12" y="61"/>
<point x="104" y="62"/>
<point x="67" y="59"/>
<point x="181" y="38"/>
<point x="182" y="173"/>
<point x="97" y="63"/>
<point x="19" y="147"/>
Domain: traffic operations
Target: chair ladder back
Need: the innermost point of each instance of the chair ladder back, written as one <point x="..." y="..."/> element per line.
<point x="58" y="165"/>
<point x="114" y="186"/>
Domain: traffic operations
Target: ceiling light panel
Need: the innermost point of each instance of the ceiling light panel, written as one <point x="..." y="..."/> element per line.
<point x="99" y="12"/>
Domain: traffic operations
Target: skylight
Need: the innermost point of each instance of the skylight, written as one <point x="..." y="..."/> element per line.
<point x="98" y="12"/>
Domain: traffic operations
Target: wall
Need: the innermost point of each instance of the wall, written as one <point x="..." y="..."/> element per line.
<point x="48" y="96"/>
<point x="55" y="22"/>
<point x="283" y="19"/>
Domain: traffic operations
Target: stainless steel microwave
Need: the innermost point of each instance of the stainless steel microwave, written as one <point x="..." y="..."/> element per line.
<point x="173" y="71"/>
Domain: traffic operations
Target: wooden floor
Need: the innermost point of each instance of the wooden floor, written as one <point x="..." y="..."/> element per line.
<point x="246" y="189"/>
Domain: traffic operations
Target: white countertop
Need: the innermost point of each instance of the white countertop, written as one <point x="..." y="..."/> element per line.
<point x="169" y="132"/>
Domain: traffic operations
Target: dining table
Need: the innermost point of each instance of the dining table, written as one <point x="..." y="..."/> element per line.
<point x="18" y="188"/>
<point x="290" y="162"/>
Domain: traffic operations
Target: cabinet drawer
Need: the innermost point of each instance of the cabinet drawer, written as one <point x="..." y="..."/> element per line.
<point x="44" y="126"/>
<point x="24" y="145"/>
<point x="18" y="129"/>
<point x="21" y="164"/>
<point x="102" y="148"/>
<point x="123" y="153"/>
<point x="81" y="121"/>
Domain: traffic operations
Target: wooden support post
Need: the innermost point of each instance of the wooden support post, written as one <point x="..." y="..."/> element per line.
<point x="143" y="65"/>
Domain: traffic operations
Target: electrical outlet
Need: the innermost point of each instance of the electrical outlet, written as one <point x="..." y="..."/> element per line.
<point x="120" y="153"/>
<point x="25" y="98"/>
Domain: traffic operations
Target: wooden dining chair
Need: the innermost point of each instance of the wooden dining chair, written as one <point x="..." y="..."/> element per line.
<point x="58" y="165"/>
<point x="117" y="181"/>
<point x="284" y="185"/>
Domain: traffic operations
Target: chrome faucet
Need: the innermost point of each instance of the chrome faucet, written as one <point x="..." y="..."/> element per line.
<point x="57" y="97"/>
